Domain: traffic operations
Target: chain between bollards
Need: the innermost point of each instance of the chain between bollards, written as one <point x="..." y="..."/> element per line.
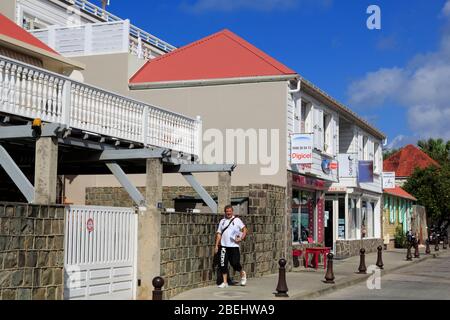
<point x="362" y="262"/>
<point x="329" y="276"/>
<point x="158" y="283"/>
<point x="380" y="263"/>
<point x="282" y="289"/>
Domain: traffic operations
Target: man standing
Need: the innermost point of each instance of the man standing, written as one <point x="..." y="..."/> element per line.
<point x="230" y="233"/>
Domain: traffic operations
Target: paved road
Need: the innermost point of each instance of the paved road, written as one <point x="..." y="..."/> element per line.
<point x="429" y="280"/>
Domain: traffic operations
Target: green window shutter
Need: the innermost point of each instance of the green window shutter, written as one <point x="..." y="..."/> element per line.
<point x="391" y="210"/>
<point x="401" y="210"/>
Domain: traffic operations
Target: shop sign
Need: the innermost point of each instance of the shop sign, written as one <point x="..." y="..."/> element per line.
<point x="320" y="220"/>
<point x="348" y="165"/>
<point x="337" y="189"/>
<point x="308" y="182"/>
<point x="328" y="166"/>
<point x="388" y="180"/>
<point x="365" y="171"/>
<point x="302" y="148"/>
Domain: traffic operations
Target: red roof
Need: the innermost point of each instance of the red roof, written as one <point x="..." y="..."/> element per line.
<point x="12" y="30"/>
<point x="404" y="162"/>
<point x="222" y="55"/>
<point x="399" y="192"/>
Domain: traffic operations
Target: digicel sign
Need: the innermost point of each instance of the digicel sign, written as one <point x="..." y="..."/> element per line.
<point x="300" y="156"/>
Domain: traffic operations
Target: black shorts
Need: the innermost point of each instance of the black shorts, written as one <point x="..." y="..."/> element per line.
<point x="232" y="256"/>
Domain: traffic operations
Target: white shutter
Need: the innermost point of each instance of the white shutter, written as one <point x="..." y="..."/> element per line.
<point x="318" y="129"/>
<point x="334" y="135"/>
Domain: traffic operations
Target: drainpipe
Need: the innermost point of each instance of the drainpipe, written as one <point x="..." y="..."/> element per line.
<point x="299" y="86"/>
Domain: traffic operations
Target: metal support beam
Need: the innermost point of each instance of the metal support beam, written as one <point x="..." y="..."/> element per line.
<point x="26" y="132"/>
<point x="16" y="175"/>
<point x="199" y="168"/>
<point x="201" y="191"/>
<point x="126" y="184"/>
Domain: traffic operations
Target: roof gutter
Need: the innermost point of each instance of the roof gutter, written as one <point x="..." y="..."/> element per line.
<point x="209" y="82"/>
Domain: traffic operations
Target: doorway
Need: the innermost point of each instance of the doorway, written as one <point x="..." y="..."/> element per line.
<point x="328" y="223"/>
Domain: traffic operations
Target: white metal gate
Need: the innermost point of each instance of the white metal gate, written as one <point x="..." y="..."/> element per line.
<point x="100" y="253"/>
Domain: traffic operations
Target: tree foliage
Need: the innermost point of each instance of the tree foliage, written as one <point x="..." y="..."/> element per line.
<point x="436" y="149"/>
<point x="431" y="187"/>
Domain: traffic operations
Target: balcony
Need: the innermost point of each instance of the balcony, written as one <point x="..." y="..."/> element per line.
<point x="97" y="38"/>
<point x="30" y="92"/>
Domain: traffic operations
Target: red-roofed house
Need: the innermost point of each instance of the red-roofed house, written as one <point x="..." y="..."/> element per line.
<point x="405" y="161"/>
<point x="19" y="44"/>
<point x="399" y="205"/>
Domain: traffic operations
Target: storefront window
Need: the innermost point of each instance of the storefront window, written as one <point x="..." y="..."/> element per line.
<point x="341" y="222"/>
<point x="302" y="216"/>
<point x="372" y="229"/>
<point x="352" y="217"/>
<point x="364" y="220"/>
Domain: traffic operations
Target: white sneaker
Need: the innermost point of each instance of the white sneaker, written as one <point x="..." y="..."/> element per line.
<point x="223" y="285"/>
<point x="244" y="279"/>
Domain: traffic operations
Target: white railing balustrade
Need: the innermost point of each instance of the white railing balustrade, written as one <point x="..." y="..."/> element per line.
<point x="87" y="39"/>
<point x="94" y="38"/>
<point x="31" y="92"/>
<point x="134" y="31"/>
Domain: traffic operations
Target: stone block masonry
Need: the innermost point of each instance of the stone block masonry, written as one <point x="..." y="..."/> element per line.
<point x="31" y="252"/>
<point x="187" y="240"/>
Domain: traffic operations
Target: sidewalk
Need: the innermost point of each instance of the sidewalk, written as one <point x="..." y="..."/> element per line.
<point x="307" y="283"/>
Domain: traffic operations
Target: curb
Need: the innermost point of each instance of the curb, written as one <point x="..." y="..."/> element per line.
<point x="358" y="280"/>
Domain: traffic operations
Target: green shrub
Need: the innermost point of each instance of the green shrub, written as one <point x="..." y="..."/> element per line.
<point x="400" y="238"/>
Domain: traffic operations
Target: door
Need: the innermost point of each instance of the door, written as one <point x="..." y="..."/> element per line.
<point x="328" y="222"/>
<point x="100" y="253"/>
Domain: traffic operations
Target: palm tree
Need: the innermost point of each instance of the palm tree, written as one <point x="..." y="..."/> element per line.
<point x="436" y="149"/>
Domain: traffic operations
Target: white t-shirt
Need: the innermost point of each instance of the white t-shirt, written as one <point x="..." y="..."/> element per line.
<point x="234" y="230"/>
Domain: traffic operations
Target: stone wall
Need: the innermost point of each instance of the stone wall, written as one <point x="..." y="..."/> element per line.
<point x="31" y="252"/>
<point x="187" y="240"/>
<point x="350" y="248"/>
<point x="118" y="197"/>
<point x="187" y="244"/>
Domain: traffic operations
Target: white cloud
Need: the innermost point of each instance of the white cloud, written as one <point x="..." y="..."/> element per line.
<point x="401" y="141"/>
<point x="422" y="86"/>
<point x="446" y="10"/>
<point x="200" y="6"/>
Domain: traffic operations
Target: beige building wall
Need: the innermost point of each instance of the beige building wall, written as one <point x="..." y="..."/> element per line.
<point x="8" y="8"/>
<point x="237" y="106"/>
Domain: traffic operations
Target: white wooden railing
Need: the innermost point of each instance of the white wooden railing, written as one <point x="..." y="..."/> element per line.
<point x="134" y="31"/>
<point x="87" y="39"/>
<point x="32" y="92"/>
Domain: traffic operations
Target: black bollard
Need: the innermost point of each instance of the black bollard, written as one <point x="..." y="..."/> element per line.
<point x="282" y="288"/>
<point x="436" y="242"/>
<point x="408" y="253"/>
<point x="380" y="258"/>
<point x="362" y="262"/>
<point x="445" y="243"/>
<point x="158" y="283"/>
<point x="416" y="250"/>
<point x="428" y="250"/>
<point x="329" y="276"/>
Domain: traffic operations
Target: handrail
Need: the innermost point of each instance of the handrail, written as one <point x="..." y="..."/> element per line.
<point x="135" y="31"/>
<point x="33" y="92"/>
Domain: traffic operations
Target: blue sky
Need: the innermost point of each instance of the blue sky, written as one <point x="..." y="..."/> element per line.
<point x="397" y="77"/>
